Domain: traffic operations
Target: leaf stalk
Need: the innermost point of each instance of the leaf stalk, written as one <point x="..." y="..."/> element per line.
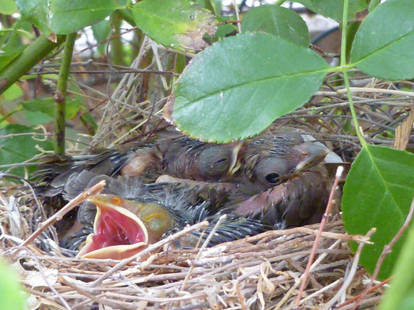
<point x="344" y="67"/>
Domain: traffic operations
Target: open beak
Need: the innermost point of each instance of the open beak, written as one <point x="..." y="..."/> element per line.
<point x="118" y="232"/>
<point x="311" y="153"/>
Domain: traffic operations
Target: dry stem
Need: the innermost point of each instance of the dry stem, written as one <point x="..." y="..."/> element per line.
<point x="96" y="189"/>
<point x="338" y="175"/>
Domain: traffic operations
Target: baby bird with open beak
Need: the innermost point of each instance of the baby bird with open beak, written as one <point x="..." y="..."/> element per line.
<point x="138" y="215"/>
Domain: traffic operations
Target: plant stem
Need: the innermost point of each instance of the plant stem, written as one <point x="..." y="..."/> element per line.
<point x="30" y="56"/>
<point x="373" y="4"/>
<point x="127" y="16"/>
<point x="345" y="73"/>
<point x="116" y="44"/>
<point x="60" y="95"/>
<point x="135" y="44"/>
<point x="344" y="30"/>
<point x="353" y="113"/>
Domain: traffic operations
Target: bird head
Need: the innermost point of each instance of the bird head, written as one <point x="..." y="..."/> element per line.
<point x="124" y="227"/>
<point x="192" y="159"/>
<point x="216" y="161"/>
<point x="268" y="163"/>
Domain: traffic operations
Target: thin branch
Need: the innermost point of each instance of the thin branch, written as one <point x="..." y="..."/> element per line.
<point x="31" y="55"/>
<point x="338" y="175"/>
<point x="60" y="95"/>
<point x="96" y="189"/>
<point x="365" y="90"/>
<point x="236" y="10"/>
<point x="113" y="72"/>
<point x="364" y="293"/>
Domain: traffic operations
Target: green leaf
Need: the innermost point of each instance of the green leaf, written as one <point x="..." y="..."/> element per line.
<point x="334" y="8"/>
<point x="11" y="38"/>
<point x="240" y="85"/>
<point x="72" y="108"/>
<point x="177" y="24"/>
<point x="63" y="16"/>
<point x="212" y="5"/>
<point x="224" y="31"/>
<point x="277" y="21"/>
<point x="70" y="16"/>
<point x="373" y="4"/>
<point x="378" y="193"/>
<point x="41" y="111"/>
<point x="36" y="12"/>
<point x="37" y="118"/>
<point x="7" y="7"/>
<point x="11" y="44"/>
<point x="13" y="92"/>
<point x="89" y="123"/>
<point x="7" y="56"/>
<point x="384" y="47"/>
<point x="216" y="5"/>
<point x="12" y="296"/>
<point x="101" y="32"/>
<point x="16" y="148"/>
<point x="45" y="105"/>
<point x="5" y="59"/>
<point x="408" y="301"/>
<point x="395" y="296"/>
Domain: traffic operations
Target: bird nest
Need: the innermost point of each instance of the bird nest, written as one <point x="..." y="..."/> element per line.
<point x="259" y="272"/>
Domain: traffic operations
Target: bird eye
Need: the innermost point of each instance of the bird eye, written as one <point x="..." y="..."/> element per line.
<point x="271" y="171"/>
<point x="214" y="162"/>
<point x="272" y="178"/>
<point x="222" y="160"/>
<point x="222" y="163"/>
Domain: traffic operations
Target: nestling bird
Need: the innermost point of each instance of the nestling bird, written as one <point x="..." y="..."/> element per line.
<point x="283" y="181"/>
<point x="271" y="159"/>
<point x="138" y="160"/>
<point x="254" y="165"/>
<point x="195" y="160"/>
<point x="263" y="162"/>
<point x="141" y="214"/>
<point x="300" y="200"/>
<point x="274" y="180"/>
<point x="123" y="227"/>
<point x="162" y="208"/>
<point x="176" y="156"/>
